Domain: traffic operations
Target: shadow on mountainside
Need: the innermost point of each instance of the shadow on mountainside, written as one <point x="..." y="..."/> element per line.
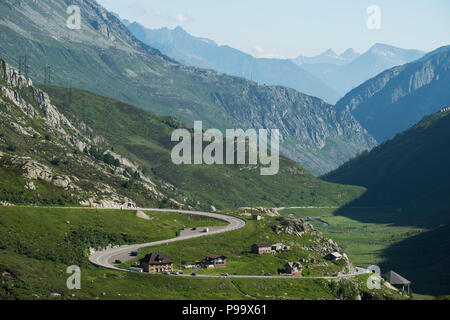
<point x="424" y="260"/>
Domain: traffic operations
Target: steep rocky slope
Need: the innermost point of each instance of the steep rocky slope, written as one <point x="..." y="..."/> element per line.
<point x="47" y="159"/>
<point x="398" y="98"/>
<point x="205" y="53"/>
<point x="80" y="148"/>
<point x="104" y="57"/>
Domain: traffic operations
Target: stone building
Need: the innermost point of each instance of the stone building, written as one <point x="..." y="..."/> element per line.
<point x="262" y="248"/>
<point x="156" y="262"/>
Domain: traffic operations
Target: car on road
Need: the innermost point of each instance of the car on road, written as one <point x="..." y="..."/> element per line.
<point x="166" y="273"/>
<point x="175" y="273"/>
<point x="224" y="274"/>
<point x="134" y="253"/>
<point x="117" y="261"/>
<point x="193" y="274"/>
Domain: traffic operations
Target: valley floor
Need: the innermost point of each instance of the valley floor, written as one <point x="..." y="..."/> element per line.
<point x="372" y="236"/>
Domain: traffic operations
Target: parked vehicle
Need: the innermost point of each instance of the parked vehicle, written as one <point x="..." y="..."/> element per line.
<point x="134" y="253"/>
<point x="193" y="274"/>
<point x="167" y="273"/>
<point x="118" y="261"/>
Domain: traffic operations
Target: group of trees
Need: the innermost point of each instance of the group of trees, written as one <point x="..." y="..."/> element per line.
<point x="98" y="154"/>
<point x="109" y="159"/>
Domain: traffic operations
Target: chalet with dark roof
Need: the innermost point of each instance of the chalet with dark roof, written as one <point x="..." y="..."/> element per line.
<point x="262" y="248"/>
<point x="215" y="261"/>
<point x="156" y="262"/>
<point x="334" y="256"/>
<point x="293" y="268"/>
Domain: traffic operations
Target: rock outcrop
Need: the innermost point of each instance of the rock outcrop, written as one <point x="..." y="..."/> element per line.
<point x="292" y="226"/>
<point x="12" y="77"/>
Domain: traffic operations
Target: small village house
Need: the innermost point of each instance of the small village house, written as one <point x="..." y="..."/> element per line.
<point x="256" y="217"/>
<point x="198" y="264"/>
<point x="293" y="268"/>
<point x="334" y="256"/>
<point x="262" y="248"/>
<point x="215" y="261"/>
<point x="156" y="262"/>
<point x="398" y="281"/>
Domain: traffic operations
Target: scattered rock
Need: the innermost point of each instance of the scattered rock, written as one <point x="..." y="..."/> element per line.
<point x="31" y="169"/>
<point x="30" y="186"/>
<point x="142" y="215"/>
<point x="262" y="211"/>
<point x="292" y="226"/>
<point x="62" y="182"/>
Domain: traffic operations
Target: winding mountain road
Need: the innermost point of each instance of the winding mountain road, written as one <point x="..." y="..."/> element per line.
<point x="106" y="258"/>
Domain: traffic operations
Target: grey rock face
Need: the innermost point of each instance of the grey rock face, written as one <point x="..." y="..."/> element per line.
<point x="20" y="117"/>
<point x="12" y="77"/>
<point x="105" y="57"/>
<point x="307" y="125"/>
<point x="398" y="98"/>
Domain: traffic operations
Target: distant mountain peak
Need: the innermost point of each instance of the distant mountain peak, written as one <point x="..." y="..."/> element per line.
<point x="381" y="48"/>
<point x="179" y="29"/>
<point x="328" y="57"/>
<point x="350" y="54"/>
<point x="329" y="53"/>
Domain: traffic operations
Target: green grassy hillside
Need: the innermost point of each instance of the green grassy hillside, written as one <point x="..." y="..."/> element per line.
<point x="77" y="147"/>
<point x="145" y="139"/>
<point x="37" y="245"/>
<point x="410" y="171"/>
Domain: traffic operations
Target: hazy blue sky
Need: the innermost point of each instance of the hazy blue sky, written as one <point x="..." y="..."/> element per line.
<point x="288" y="28"/>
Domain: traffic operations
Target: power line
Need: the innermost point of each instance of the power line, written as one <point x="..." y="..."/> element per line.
<point x="24" y="67"/>
<point x="47" y="74"/>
